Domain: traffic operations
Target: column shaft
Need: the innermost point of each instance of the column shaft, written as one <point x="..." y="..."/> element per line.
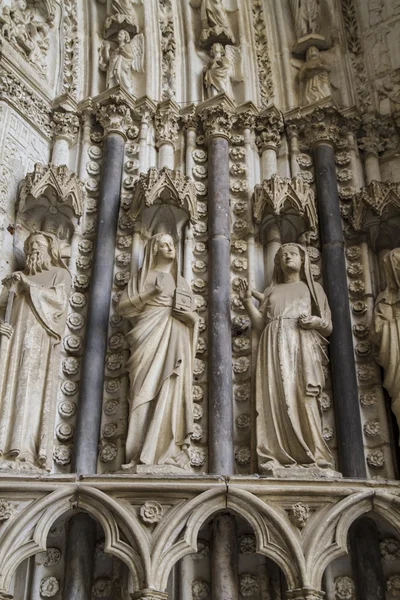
<point x="224" y="559"/>
<point x="79" y="562"/>
<point x="92" y="373"/>
<point x="344" y="379"/>
<point x="219" y="327"/>
<point x="366" y="560"/>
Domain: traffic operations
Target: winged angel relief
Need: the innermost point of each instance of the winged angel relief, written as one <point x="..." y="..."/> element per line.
<point x="122" y="58"/>
<point x="224" y="68"/>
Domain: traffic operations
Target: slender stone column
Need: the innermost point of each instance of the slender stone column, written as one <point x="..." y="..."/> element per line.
<point x="344" y="379"/>
<point x="269" y="128"/>
<point x="224" y="559"/>
<point x="167" y="126"/>
<point x="294" y="150"/>
<point x="369" y="144"/>
<point x="366" y="560"/>
<point x="65" y="128"/>
<point x="217" y="121"/>
<point x="115" y="118"/>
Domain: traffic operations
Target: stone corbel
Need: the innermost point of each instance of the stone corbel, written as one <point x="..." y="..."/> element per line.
<point x="218" y="115"/>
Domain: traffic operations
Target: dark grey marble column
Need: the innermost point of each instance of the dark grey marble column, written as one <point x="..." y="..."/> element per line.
<point x="366" y="560"/>
<point x="92" y="372"/>
<point x="343" y="368"/>
<point x="220" y="409"/>
<point x="224" y="567"/>
<point x="79" y="562"/>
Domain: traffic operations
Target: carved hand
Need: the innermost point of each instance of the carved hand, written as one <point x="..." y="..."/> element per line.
<point x="310" y="322"/>
<point x="186" y="316"/>
<point x="159" y="285"/>
<point x="6" y="330"/>
<point x="244" y="290"/>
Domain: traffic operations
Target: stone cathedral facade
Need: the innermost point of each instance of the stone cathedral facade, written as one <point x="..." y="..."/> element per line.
<point x="200" y="299"/>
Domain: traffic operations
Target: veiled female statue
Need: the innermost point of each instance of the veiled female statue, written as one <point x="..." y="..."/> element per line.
<point x="385" y="328"/>
<point x="29" y="364"/>
<point x="293" y="319"/>
<point x="159" y="304"/>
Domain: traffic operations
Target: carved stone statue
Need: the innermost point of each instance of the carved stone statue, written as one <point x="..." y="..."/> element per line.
<point x="385" y="328"/>
<point x="306" y="16"/>
<point x="215" y="24"/>
<point x="293" y="319"/>
<point x="224" y="67"/>
<point x="122" y="14"/>
<point x="314" y="77"/>
<point x="159" y="304"/>
<point x="29" y="351"/>
<point x="122" y="58"/>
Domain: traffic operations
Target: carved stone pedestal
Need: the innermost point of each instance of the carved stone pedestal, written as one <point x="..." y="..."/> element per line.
<point x="303" y="473"/>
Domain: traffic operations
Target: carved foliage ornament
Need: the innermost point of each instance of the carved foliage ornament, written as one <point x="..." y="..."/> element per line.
<point x="264" y="65"/>
<point x="114" y="115"/>
<point x="218" y="119"/>
<point x="269" y="129"/>
<point x="165" y="185"/>
<point x="274" y="195"/>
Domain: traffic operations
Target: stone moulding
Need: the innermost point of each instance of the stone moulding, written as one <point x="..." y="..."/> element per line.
<point x="65" y="184"/>
<point x="164" y="186"/>
<point x="281" y="197"/>
<point x="379" y="197"/>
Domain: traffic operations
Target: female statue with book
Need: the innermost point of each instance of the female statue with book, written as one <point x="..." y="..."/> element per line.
<point x="159" y="304"/>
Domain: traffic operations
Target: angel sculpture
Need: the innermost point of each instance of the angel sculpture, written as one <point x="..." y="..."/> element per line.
<point x="122" y="57"/>
<point x="224" y="67"/>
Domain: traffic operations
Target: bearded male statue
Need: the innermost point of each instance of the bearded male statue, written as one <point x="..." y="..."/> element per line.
<point x="29" y="354"/>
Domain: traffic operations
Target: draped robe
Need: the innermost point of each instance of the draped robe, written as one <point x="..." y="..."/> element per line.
<point x="30" y="368"/>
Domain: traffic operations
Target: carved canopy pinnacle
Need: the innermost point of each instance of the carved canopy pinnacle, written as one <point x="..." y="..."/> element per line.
<point x="114" y="115"/>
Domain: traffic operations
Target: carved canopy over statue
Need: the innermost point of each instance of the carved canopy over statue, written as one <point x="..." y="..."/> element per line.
<point x="159" y="304"/>
<point x="385" y="328"/>
<point x="293" y="320"/>
<point x="215" y="26"/>
<point x="29" y="351"/>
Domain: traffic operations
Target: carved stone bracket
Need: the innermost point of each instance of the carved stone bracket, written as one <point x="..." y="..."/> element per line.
<point x="114" y="114"/>
<point x="279" y="198"/>
<point x="217" y="115"/>
<point x="167" y="187"/>
<point x="269" y="129"/>
<point x="167" y="123"/>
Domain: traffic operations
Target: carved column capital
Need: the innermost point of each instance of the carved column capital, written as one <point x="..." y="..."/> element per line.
<point x="149" y="595"/>
<point x="114" y="115"/>
<point x="269" y="126"/>
<point x="167" y="123"/>
<point x="218" y="116"/>
<point x="190" y="118"/>
<point x="65" y="125"/>
<point x="376" y="136"/>
<point x="305" y="594"/>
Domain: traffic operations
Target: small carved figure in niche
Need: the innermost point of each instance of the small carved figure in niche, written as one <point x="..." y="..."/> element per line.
<point x="224" y="67"/>
<point x="214" y="21"/>
<point x="306" y="16"/>
<point x="314" y="77"/>
<point x="375" y="8"/>
<point x="293" y="318"/>
<point x="159" y="303"/>
<point x="385" y="328"/>
<point x="29" y="366"/>
<point x="380" y="53"/>
<point x="120" y="59"/>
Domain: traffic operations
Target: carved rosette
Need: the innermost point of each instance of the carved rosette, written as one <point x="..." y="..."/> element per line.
<point x="65" y="126"/>
<point x="274" y="195"/>
<point x="167" y="123"/>
<point x="115" y="116"/>
<point x="269" y="130"/>
<point x="218" y="117"/>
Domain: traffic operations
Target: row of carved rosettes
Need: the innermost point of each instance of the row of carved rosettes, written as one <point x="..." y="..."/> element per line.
<point x="72" y="343"/>
<point x="199" y="284"/>
<point x="241" y="334"/>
